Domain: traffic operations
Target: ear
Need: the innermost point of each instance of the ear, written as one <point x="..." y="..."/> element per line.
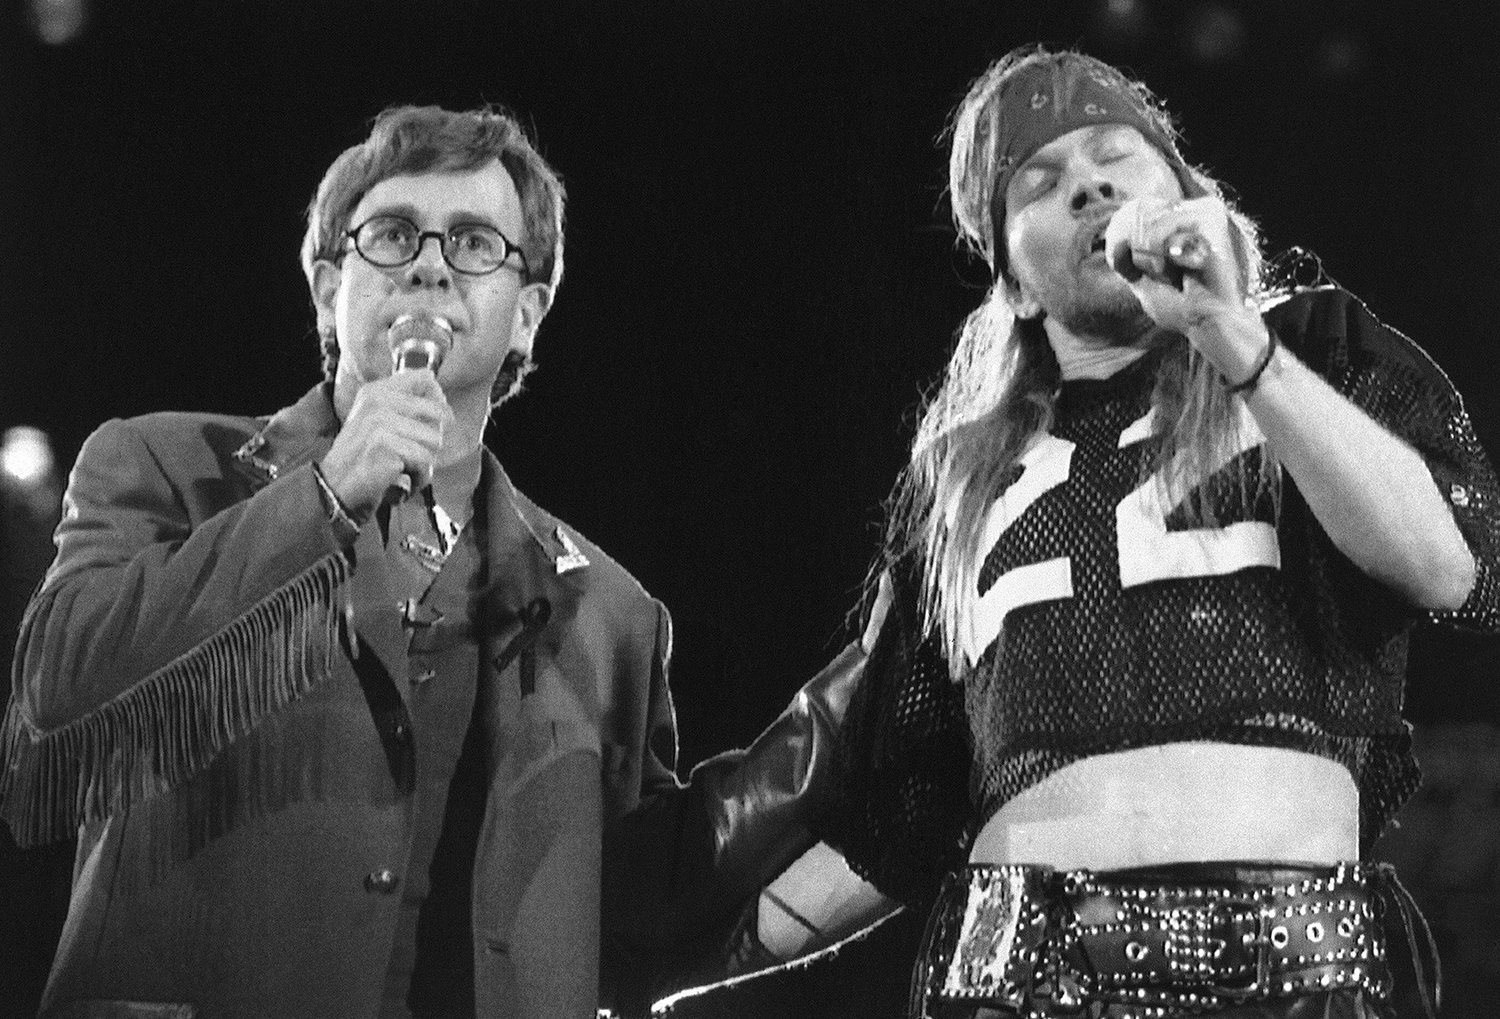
<point x="325" y="291"/>
<point x="1019" y="297"/>
<point x="532" y="304"/>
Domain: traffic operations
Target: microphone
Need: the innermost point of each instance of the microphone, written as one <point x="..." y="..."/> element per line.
<point x="418" y="340"/>
<point x="1184" y="249"/>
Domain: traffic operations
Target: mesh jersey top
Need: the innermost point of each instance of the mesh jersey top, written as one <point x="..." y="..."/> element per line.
<point x="1104" y="621"/>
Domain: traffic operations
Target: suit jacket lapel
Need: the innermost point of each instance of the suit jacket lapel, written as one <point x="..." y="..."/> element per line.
<point x="377" y="615"/>
<point x="522" y="577"/>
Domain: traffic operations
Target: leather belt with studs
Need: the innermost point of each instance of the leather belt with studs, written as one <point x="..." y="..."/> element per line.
<point x="1190" y="938"/>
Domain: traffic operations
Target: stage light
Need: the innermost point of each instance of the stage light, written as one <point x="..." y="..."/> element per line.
<point x="1122" y="22"/>
<point x="58" y="21"/>
<point x="1215" y="33"/>
<point x="1342" y="57"/>
<point x="26" y="458"/>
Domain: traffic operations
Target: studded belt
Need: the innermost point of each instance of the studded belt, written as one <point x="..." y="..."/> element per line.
<point x="1154" y="942"/>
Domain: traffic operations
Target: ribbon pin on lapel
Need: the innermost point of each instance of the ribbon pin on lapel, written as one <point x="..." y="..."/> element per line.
<point x="572" y="558"/>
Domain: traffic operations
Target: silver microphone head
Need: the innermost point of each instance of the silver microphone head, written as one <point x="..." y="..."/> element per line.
<point x="419" y="340"/>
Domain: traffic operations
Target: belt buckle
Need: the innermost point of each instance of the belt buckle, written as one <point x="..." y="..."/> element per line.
<point x="999" y="933"/>
<point x="1192" y="947"/>
<point x="1259" y="941"/>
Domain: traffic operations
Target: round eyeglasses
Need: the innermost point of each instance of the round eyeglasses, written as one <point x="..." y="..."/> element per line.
<point x="474" y="249"/>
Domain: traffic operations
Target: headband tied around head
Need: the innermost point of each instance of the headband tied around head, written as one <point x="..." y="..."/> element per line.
<point x="1053" y="95"/>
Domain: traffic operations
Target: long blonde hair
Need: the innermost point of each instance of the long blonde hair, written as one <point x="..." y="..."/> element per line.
<point x="997" y="393"/>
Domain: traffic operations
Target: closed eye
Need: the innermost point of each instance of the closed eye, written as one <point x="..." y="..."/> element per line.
<point x="1033" y="184"/>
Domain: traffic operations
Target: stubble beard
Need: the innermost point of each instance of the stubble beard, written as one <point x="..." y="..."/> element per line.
<point x="1111" y="315"/>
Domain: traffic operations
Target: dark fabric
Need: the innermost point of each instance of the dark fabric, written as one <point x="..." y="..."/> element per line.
<point x="1114" y="663"/>
<point x="681" y="871"/>
<point x="1396" y="383"/>
<point x="432" y="959"/>
<point x="1324" y="1005"/>
<point x="1309" y="655"/>
<point x="442" y="981"/>
<point x="902" y="815"/>
<point x="1306" y="653"/>
<point x="1061" y="93"/>
<point x="244" y="851"/>
<point x="1327" y="1005"/>
<point x="99" y="1009"/>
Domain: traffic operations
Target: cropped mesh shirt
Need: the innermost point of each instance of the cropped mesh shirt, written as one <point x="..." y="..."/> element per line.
<point x="1107" y="622"/>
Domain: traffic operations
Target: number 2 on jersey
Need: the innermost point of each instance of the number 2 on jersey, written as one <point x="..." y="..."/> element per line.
<point x="1148" y="551"/>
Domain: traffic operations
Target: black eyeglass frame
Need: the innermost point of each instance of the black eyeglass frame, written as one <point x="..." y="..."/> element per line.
<point x="444" y="238"/>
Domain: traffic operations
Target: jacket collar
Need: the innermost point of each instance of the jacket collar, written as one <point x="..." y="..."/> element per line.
<point x="530" y="555"/>
<point x="304" y="431"/>
<point x="290" y="437"/>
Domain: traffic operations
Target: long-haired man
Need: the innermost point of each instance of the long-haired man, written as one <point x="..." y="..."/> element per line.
<point x="1130" y="702"/>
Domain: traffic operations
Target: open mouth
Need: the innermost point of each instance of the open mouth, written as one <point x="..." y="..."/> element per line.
<point x="1096" y="245"/>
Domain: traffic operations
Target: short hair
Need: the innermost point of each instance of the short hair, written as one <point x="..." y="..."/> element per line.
<point x="430" y="139"/>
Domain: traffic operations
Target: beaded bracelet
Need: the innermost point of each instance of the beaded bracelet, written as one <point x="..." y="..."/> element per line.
<point x="1240" y="387"/>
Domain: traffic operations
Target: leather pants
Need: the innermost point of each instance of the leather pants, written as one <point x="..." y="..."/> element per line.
<point x="1343" y="1004"/>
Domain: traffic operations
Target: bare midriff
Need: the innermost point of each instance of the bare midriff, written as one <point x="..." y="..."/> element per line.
<point x="1178" y="803"/>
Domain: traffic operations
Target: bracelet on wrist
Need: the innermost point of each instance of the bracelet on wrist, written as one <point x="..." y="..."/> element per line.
<point x="338" y="515"/>
<point x="1260" y="369"/>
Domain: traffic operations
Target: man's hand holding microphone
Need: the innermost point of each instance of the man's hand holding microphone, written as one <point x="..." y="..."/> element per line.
<point x="1186" y="265"/>
<point x="389" y="443"/>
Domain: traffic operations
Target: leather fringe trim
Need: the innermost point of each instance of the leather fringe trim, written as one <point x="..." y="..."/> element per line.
<point x="172" y="724"/>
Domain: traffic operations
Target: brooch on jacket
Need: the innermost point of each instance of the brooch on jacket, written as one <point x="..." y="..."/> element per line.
<point x="572" y="557"/>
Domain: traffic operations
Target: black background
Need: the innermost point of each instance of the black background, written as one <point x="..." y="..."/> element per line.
<point x="760" y="277"/>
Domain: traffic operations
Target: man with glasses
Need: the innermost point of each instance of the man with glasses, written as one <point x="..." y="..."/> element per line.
<point x="339" y="716"/>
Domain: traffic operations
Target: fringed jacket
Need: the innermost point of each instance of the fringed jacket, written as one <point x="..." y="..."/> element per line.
<point x="209" y="691"/>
